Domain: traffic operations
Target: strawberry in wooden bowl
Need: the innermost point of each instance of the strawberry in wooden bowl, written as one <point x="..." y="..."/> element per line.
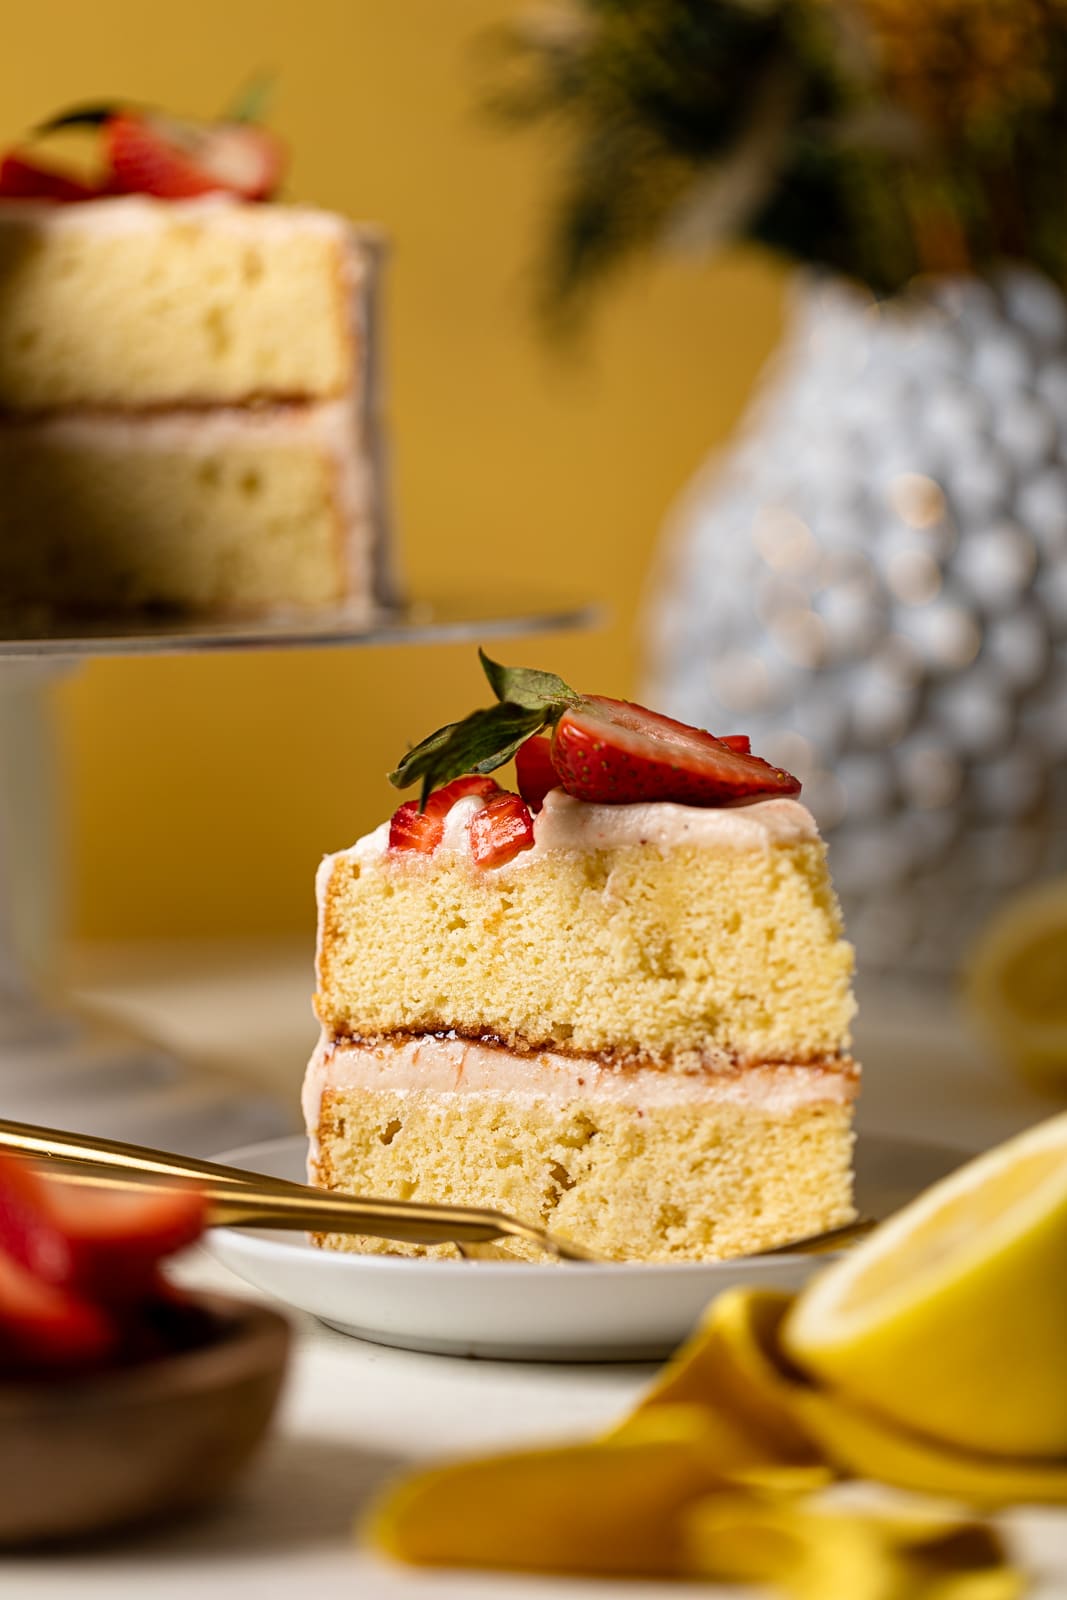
<point x="122" y="1397"/>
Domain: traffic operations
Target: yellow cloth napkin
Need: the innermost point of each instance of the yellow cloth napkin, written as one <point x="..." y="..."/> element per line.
<point x="837" y="1553"/>
<point x="717" y="1474"/>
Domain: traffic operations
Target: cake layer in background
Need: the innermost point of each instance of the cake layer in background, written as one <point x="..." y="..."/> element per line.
<point x="188" y="411"/>
<point x="137" y="303"/>
<point x="225" y="513"/>
<point x="674" y="935"/>
<point x="635" y="1164"/>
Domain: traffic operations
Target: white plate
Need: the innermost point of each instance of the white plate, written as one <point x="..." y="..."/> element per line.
<point x="520" y="1311"/>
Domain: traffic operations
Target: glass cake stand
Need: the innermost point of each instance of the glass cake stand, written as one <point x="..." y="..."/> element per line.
<point x="65" y="1067"/>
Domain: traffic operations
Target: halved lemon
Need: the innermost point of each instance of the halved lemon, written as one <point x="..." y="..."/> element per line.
<point x="1016" y="982"/>
<point x="952" y="1317"/>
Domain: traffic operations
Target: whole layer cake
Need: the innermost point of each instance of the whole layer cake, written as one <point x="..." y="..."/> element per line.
<point x="187" y="405"/>
<point x="633" y="1029"/>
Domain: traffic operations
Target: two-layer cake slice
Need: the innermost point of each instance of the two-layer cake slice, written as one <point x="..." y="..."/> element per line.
<point x="188" y="396"/>
<point x="634" y="1029"/>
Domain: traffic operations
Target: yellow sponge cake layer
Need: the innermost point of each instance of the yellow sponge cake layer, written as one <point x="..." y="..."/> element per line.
<point x="228" y="514"/>
<point x="131" y="303"/>
<point x="663" y="933"/>
<point x="635" y="1164"/>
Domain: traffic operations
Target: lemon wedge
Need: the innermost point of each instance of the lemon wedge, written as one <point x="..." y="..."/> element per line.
<point x="1016" y="985"/>
<point x="951" y="1319"/>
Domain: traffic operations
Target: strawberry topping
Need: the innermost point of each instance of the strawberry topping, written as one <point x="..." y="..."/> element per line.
<point x="609" y="752"/>
<point x="614" y="753"/>
<point x="412" y="829"/>
<point x="175" y="160"/>
<point x="534" y="770"/>
<point x="24" y="179"/>
<point x="502" y="829"/>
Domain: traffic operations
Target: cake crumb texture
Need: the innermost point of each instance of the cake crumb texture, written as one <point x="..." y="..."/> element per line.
<point x="186" y="304"/>
<point x="669" y="1183"/>
<point x="635" y="951"/>
<point x="135" y="521"/>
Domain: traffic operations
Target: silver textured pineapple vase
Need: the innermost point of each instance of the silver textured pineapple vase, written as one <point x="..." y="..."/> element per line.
<point x="873" y="584"/>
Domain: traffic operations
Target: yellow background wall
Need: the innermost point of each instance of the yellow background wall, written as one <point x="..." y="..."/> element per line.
<point x="201" y="791"/>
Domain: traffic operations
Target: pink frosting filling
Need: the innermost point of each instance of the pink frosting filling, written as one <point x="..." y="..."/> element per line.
<point x="429" y="1064"/>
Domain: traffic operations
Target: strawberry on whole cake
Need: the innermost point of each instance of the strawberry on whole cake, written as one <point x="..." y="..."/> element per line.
<point x="188" y="381"/>
<point x="615" y="1003"/>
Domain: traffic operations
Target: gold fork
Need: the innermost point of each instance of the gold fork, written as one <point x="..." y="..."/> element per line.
<point x="240" y="1199"/>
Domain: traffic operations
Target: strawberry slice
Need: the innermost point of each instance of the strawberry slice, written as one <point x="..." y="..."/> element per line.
<point x="412" y="829"/>
<point x="104" y="1245"/>
<point x="615" y="753"/>
<point x="174" y="160"/>
<point x="440" y="803"/>
<point x="534" y="770"/>
<point x="24" y="179"/>
<point x="737" y="741"/>
<point x="42" y="1327"/>
<point x="502" y="829"/>
<point x="117" y="1240"/>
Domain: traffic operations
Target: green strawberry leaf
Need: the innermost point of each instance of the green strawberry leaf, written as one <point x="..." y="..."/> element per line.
<point x="528" y="701"/>
<point x="79" y="117"/>
<point x="480" y="743"/>
<point x="526" y="686"/>
<point x="253" y="101"/>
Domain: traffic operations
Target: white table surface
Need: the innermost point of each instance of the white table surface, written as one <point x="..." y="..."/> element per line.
<point x="355" y="1413"/>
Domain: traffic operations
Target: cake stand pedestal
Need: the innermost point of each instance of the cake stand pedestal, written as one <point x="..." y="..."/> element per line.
<point x="66" y="1067"/>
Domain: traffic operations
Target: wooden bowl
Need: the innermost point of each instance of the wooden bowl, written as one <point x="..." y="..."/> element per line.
<point x="92" y="1455"/>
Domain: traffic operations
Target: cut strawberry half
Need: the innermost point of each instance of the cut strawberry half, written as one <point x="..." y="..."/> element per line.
<point x="104" y="1245"/>
<point x="43" y="1327"/>
<point x="501" y="830"/>
<point x="24" y="179"/>
<point x="615" y="753"/>
<point x="174" y="160"/>
<point x="412" y="829"/>
<point x="534" y="770"/>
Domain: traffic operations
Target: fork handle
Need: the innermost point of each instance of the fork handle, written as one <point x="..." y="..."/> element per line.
<point x="79" y="1150"/>
<point x="312" y="1212"/>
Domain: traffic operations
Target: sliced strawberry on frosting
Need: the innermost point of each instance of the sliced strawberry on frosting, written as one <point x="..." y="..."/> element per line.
<point x="22" y="178"/>
<point x="615" y="753"/>
<point x="175" y="160"/>
<point x="534" y="770"/>
<point x="412" y="829"/>
<point x="501" y="830"/>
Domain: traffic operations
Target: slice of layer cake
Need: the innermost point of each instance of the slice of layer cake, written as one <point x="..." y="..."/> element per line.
<point x="188" y="411"/>
<point x="625" y="1017"/>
